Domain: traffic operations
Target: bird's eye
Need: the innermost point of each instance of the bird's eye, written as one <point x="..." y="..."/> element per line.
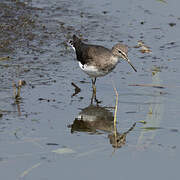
<point x="71" y="42"/>
<point x="119" y="51"/>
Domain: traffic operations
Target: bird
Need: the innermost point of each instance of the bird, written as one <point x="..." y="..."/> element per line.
<point x="97" y="60"/>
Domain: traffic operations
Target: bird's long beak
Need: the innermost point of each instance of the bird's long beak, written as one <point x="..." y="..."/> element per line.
<point x="127" y="59"/>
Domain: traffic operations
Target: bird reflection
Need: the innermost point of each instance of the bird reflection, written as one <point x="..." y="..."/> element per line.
<point x="95" y="119"/>
<point x="117" y="140"/>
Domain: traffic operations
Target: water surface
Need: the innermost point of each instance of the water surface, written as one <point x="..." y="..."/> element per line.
<point x="42" y="136"/>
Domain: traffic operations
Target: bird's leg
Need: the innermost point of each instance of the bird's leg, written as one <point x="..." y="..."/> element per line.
<point x="94" y="92"/>
<point x="93" y="85"/>
<point x="94" y="80"/>
<point x="92" y="98"/>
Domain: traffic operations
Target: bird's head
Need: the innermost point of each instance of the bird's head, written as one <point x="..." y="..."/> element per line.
<point x="121" y="51"/>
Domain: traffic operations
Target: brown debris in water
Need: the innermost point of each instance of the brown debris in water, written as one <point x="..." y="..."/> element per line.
<point x="172" y="24"/>
<point x="149" y="85"/>
<point x="17" y="89"/>
<point x="144" y="48"/>
<point x="77" y="89"/>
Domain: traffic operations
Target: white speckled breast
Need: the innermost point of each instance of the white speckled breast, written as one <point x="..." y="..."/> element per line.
<point x="93" y="71"/>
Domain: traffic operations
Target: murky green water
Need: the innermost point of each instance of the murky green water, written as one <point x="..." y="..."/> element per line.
<point x="43" y="135"/>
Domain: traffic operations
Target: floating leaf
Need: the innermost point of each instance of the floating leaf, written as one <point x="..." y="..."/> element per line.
<point x="148" y="85"/>
<point x="151" y="128"/>
<point x="63" y="151"/>
<point x="4" y="58"/>
<point x="163" y="1"/>
<point x="143" y="122"/>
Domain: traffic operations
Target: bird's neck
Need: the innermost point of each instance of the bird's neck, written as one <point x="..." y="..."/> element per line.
<point x="114" y="59"/>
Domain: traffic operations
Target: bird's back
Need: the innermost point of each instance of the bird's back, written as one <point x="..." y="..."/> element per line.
<point x="88" y="53"/>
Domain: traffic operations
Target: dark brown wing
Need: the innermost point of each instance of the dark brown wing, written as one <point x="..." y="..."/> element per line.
<point x="78" y="44"/>
<point x="87" y="53"/>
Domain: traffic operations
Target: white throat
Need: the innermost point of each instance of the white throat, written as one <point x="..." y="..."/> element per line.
<point x="115" y="59"/>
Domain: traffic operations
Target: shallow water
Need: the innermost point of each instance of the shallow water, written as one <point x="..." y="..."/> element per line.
<point x="42" y="136"/>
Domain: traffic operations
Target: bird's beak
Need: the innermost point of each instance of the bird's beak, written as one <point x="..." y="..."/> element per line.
<point x="127" y="59"/>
